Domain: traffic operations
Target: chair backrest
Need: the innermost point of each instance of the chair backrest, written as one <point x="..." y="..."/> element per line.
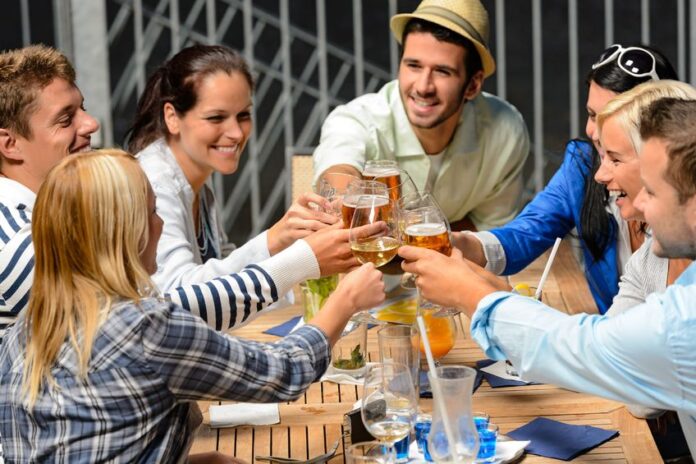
<point x="299" y="164"/>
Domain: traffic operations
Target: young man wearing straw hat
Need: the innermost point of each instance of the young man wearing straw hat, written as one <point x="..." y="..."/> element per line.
<point x="464" y="145"/>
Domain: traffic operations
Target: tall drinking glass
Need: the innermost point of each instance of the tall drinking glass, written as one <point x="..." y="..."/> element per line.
<point x="452" y="414"/>
<point x="389" y="403"/>
<point x="399" y="344"/>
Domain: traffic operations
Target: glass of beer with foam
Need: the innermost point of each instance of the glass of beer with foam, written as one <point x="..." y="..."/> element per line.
<point x="397" y="180"/>
<point x="360" y="188"/>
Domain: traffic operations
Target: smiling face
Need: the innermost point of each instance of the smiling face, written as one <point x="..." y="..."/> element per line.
<point x="673" y="223"/>
<point x="58" y="127"/>
<point x="432" y="80"/>
<point x="619" y="169"/>
<point x="597" y="99"/>
<point x="212" y="135"/>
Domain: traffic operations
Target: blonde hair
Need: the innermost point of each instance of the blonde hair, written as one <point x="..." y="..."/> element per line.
<point x="89" y="227"/>
<point x="628" y="106"/>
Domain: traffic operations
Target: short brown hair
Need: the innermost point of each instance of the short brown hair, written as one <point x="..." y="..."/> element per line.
<point x="673" y="120"/>
<point x="23" y="74"/>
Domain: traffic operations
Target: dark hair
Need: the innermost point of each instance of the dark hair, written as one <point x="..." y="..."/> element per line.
<point x="673" y="121"/>
<point x="597" y="226"/>
<point x="176" y="82"/>
<point x="472" y="63"/>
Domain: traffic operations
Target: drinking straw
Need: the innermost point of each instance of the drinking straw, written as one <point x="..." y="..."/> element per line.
<point x="537" y="295"/>
<point x="435" y="385"/>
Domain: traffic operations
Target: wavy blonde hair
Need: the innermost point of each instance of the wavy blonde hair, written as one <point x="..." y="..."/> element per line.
<point x="628" y="106"/>
<point x="89" y="228"/>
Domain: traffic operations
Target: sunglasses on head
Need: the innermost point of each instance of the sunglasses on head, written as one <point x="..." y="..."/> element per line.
<point x="634" y="61"/>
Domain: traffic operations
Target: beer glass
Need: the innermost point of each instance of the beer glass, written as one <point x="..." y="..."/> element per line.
<point x="397" y="180"/>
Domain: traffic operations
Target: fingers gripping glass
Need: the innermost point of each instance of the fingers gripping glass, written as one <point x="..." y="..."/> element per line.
<point x="634" y="61"/>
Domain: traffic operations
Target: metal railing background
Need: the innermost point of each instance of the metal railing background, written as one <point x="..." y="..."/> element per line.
<point x="311" y="55"/>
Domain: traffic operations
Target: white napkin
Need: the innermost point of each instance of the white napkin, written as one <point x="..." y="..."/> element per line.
<point x="232" y="415"/>
<point x="505" y="451"/>
<point x="345" y="377"/>
<point x="499" y="369"/>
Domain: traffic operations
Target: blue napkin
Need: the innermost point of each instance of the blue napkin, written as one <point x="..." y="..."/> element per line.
<point x="496" y="381"/>
<point x="424" y="385"/>
<point x="553" y="439"/>
<point x="284" y="328"/>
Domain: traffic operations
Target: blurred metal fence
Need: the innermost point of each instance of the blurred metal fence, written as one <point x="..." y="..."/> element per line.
<point x="311" y="55"/>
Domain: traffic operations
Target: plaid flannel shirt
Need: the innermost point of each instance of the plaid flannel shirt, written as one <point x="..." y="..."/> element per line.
<point x="149" y="363"/>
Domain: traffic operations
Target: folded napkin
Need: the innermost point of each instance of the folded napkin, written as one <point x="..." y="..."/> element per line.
<point x="232" y="415"/>
<point x="505" y="451"/>
<point x="286" y="327"/>
<point x="425" y="390"/>
<point x="345" y="377"/>
<point x="494" y="373"/>
<point x="558" y="440"/>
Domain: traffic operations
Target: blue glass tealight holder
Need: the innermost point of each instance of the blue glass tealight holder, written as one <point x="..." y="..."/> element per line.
<point x="488" y="438"/>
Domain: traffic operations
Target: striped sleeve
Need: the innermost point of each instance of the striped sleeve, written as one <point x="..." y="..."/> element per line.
<point x="233" y="300"/>
<point x="16" y="263"/>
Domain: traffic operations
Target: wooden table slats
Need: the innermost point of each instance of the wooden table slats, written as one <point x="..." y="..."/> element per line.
<point x="309" y="426"/>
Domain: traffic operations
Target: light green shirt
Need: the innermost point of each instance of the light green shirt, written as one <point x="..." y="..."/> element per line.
<point x="480" y="176"/>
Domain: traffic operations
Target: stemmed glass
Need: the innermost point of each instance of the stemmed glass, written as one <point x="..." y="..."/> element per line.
<point x="333" y="186"/>
<point x="381" y="246"/>
<point x="423" y="224"/>
<point x="389" y="403"/>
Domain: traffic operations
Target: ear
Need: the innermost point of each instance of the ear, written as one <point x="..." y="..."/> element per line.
<point x="9" y="148"/>
<point x="171" y="119"/>
<point x="474" y="87"/>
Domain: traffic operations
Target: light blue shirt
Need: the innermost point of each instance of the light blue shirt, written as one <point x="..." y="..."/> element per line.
<point x="646" y="355"/>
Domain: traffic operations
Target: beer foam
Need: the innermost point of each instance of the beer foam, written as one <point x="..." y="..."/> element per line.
<point x="374" y="201"/>
<point x="426" y="230"/>
<point x="380" y="171"/>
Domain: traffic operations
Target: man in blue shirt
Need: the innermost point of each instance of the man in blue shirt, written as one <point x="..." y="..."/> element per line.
<point x="645" y="355"/>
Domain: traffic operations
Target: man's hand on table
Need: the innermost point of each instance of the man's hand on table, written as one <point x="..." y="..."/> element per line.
<point x="449" y="281"/>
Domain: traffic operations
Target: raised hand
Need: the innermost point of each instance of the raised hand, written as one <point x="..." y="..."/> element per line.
<point x="305" y="216"/>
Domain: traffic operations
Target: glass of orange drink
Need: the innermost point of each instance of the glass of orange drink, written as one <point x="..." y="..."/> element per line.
<point x="441" y="330"/>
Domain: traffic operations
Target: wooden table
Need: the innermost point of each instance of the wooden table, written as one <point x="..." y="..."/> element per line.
<point x="312" y="424"/>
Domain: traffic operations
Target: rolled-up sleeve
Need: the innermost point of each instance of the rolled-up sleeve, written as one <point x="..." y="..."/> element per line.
<point x="641" y="356"/>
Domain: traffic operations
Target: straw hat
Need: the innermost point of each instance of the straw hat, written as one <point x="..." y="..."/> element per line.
<point x="467" y="18"/>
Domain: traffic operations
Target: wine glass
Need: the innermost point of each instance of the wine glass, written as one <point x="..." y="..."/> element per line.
<point x="381" y="246"/>
<point x="389" y="403"/>
<point x="423" y="224"/>
<point x="333" y="186"/>
<point x="357" y="189"/>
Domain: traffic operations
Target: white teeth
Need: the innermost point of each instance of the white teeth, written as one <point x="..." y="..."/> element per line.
<point x="226" y="149"/>
<point x="421" y="102"/>
<point x="614" y="194"/>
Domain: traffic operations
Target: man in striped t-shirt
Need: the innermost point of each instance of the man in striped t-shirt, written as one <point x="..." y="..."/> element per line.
<point x="42" y="120"/>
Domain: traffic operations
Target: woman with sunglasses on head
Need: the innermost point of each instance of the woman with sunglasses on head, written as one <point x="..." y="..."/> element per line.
<point x="98" y="368"/>
<point x="193" y="119"/>
<point x="573" y="199"/>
